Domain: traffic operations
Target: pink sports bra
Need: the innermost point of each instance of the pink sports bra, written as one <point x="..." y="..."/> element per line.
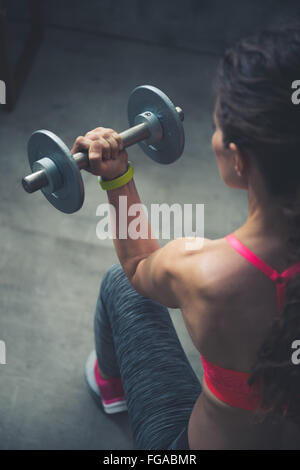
<point x="231" y="386"/>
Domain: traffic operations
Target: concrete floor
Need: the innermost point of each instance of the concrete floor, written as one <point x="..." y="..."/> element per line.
<point x="51" y="263"/>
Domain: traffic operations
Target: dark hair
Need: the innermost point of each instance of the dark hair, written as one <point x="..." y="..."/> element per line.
<point x="254" y="109"/>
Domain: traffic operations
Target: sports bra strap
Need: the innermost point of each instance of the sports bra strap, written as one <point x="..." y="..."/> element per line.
<point x="280" y="279"/>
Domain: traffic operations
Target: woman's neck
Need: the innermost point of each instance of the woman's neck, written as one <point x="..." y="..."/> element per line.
<point x="265" y="216"/>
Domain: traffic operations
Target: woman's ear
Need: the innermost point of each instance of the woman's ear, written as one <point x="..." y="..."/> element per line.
<point x="238" y="159"/>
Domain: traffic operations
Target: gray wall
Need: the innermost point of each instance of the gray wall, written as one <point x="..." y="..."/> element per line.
<point x="202" y="25"/>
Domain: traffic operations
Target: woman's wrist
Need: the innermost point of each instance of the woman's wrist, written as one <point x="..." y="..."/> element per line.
<point x="119" y="181"/>
<point x="113" y="177"/>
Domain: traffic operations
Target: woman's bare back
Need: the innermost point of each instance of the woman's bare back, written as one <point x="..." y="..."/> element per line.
<point x="228" y="317"/>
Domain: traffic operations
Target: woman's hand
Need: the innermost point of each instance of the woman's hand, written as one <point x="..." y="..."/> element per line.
<point x="107" y="157"/>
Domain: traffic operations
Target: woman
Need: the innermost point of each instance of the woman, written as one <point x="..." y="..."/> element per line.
<point x="239" y="295"/>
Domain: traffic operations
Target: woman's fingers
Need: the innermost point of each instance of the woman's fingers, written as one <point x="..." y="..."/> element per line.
<point x="110" y="136"/>
<point x="119" y="140"/>
<point x="80" y="144"/>
<point x="99" y="132"/>
<point x="103" y="145"/>
<point x="114" y="146"/>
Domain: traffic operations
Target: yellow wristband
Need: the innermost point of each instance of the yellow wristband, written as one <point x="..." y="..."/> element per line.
<point x="117" y="182"/>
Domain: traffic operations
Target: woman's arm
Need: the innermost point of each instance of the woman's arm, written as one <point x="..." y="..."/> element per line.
<point x="131" y="251"/>
<point x="157" y="273"/>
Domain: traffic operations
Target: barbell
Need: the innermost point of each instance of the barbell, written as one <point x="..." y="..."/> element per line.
<point x="155" y="123"/>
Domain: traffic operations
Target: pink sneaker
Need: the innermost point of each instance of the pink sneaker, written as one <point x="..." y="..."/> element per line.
<point x="108" y="392"/>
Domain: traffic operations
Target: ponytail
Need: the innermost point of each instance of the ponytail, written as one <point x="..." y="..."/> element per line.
<point x="274" y="364"/>
<point x="255" y="111"/>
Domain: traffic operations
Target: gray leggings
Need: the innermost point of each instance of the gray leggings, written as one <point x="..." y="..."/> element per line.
<point x="135" y="338"/>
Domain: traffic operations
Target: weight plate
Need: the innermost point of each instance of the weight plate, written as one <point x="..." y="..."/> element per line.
<point x="148" y="98"/>
<point x="69" y="198"/>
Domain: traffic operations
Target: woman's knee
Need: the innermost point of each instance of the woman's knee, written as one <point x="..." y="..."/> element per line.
<point x="111" y="279"/>
<point x="109" y="287"/>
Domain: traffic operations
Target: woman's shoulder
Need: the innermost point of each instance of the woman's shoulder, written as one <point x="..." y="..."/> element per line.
<point x="204" y="253"/>
<point x="212" y="265"/>
<point x="207" y="266"/>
